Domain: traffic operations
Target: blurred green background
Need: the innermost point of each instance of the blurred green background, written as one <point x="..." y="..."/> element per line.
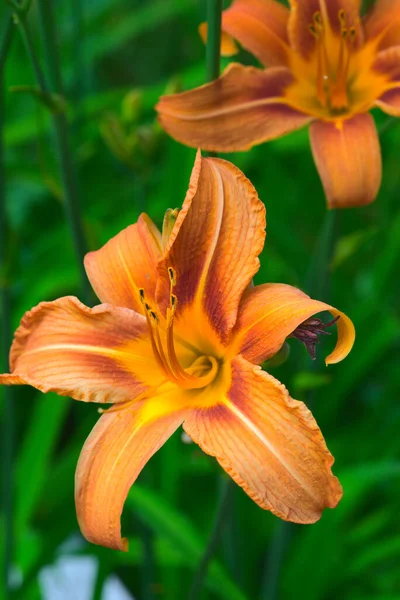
<point x="117" y="58"/>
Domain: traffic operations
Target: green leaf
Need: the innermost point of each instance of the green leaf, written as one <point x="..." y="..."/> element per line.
<point x="175" y="527"/>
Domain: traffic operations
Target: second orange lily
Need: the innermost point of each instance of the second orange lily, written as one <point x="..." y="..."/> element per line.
<point x="176" y="341"/>
<point x="327" y="67"/>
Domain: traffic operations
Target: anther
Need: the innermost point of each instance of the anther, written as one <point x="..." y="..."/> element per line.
<point x="141" y="294"/>
<point x="317" y="20"/>
<point x="172" y="276"/>
<point x="153" y="316"/>
<point x="342" y="17"/>
<point x="313" y="31"/>
<point x="352" y="33"/>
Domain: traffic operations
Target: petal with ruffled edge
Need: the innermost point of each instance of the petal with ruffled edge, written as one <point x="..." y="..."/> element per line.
<point x="244" y="107"/>
<point x="214" y="246"/>
<point x="126" y="263"/>
<point x="382" y="23"/>
<point x="269" y="313"/>
<point x="301" y="17"/>
<point x="387" y="63"/>
<point x="111" y="459"/>
<point x="261" y="28"/>
<point x="270" y="445"/>
<point x="86" y="353"/>
<point x="348" y="159"/>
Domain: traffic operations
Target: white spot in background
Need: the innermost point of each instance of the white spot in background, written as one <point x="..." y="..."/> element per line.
<point x="75" y="577"/>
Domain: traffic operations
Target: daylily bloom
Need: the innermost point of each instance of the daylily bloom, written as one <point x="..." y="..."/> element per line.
<point x="176" y="341"/>
<point x="326" y="66"/>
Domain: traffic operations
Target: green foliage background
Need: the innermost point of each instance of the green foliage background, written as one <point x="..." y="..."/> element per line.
<point x="126" y="164"/>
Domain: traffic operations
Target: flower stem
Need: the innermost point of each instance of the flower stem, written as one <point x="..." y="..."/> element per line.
<point x="317" y="283"/>
<point x="68" y="174"/>
<point x="318" y="275"/>
<point x="67" y="170"/>
<point x="213" y="48"/>
<point x="214" y="539"/>
<point x="5" y="312"/>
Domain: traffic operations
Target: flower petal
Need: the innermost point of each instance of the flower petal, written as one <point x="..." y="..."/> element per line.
<point x="348" y="159"/>
<point x="383" y="23"/>
<point x="269" y="313"/>
<point x="65" y="347"/>
<point x="270" y="445"/>
<point x="228" y="45"/>
<point x="261" y="28"/>
<point x="214" y="245"/>
<point x="111" y="459"/>
<point x="244" y="107"/>
<point x="387" y="63"/>
<point x="126" y="263"/>
<point x="301" y="17"/>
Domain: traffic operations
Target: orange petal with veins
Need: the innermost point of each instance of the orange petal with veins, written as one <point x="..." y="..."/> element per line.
<point x="270" y="445"/>
<point x="214" y="245"/>
<point x="126" y="263"/>
<point x="261" y="28"/>
<point x="383" y="23"/>
<point x="111" y="459"/>
<point x="67" y="348"/>
<point x="244" y="107"/>
<point x="348" y="159"/>
<point x="301" y="17"/>
<point x="269" y="313"/>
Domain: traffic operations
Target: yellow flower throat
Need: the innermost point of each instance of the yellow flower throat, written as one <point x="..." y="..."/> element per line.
<point x="337" y="79"/>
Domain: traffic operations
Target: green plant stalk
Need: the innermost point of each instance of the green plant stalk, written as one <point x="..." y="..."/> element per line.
<point x="5" y="324"/>
<point x="67" y="171"/>
<point x="318" y="274"/>
<point x="213" y="48"/>
<point x="317" y="284"/>
<point x="214" y="539"/>
<point x="68" y="174"/>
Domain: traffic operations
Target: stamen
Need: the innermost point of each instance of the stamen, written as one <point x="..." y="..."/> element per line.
<point x="167" y="360"/>
<point x="172" y="276"/>
<point x="342" y="18"/>
<point x="331" y="78"/>
<point x="317" y="21"/>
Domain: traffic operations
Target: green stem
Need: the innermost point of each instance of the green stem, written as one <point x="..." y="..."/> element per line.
<point x="67" y="170"/>
<point x="214" y="539"/>
<point x="318" y="275"/>
<point x="5" y="314"/>
<point x="213" y="48"/>
<point x="68" y="174"/>
<point x="317" y="286"/>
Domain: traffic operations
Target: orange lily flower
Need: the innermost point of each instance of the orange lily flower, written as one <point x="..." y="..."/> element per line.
<point x="176" y="341"/>
<point x="327" y="67"/>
